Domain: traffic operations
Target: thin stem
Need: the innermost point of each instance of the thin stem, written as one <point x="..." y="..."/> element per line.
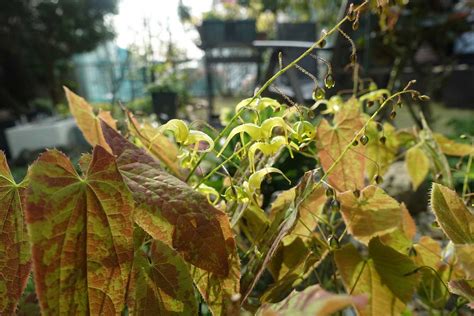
<point x="271" y="80"/>
<point x="466" y="176"/>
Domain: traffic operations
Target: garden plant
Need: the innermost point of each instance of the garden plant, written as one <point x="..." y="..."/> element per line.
<point x="174" y="219"/>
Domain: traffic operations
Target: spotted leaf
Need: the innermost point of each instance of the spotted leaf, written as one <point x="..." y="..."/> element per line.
<point x="81" y="233"/>
<point x="15" y="258"/>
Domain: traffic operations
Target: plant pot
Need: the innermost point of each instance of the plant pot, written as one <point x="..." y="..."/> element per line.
<point x="220" y="33"/>
<point x="165" y="105"/>
<point x="212" y="32"/>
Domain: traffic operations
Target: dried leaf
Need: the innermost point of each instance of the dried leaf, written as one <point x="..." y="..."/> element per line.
<point x="373" y="213"/>
<point x="87" y="121"/>
<point x="360" y="277"/>
<point x="451" y="148"/>
<point x="81" y="233"/>
<point x="331" y="142"/>
<point x="396" y="270"/>
<point x="15" y="257"/>
<point x="418" y="165"/>
<point x="163" y="284"/>
<point x="312" y="301"/>
<point x="452" y="215"/>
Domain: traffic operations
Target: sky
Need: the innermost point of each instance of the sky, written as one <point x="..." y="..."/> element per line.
<point x="161" y="14"/>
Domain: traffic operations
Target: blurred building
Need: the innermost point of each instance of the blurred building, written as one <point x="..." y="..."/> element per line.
<point x="109" y="74"/>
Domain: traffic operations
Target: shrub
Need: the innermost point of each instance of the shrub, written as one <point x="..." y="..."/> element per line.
<point x="169" y="220"/>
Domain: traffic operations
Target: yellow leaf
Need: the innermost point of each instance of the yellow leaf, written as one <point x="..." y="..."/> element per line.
<point x="451" y="148"/>
<point x="418" y="165"/>
<point x="359" y="276"/>
<point x="381" y="153"/>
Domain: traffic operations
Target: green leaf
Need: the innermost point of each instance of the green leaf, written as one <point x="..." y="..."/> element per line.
<point x="171" y="211"/>
<point x="360" y="277"/>
<point x="373" y="213"/>
<point x="417" y="164"/>
<point x="87" y="121"/>
<point x="396" y="270"/>
<point x="331" y="142"/>
<point x="15" y="257"/>
<point x="452" y="214"/>
<point x="81" y="233"/>
<point x="163" y="284"/>
<point x="312" y="301"/>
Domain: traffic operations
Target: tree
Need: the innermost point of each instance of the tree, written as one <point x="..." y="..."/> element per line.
<point x="38" y="37"/>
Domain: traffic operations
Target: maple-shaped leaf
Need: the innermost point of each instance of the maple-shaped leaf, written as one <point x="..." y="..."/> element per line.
<point x="359" y="276"/>
<point x="381" y="148"/>
<point x="81" y="231"/>
<point x="331" y="140"/>
<point x="162" y="283"/>
<point x="15" y="258"/>
<point x="87" y="121"/>
<point x="396" y="270"/>
<point x="451" y="148"/>
<point x="373" y="213"/>
<point x="194" y="227"/>
<point x="418" y="165"/>
<point x="155" y="143"/>
<point x="452" y="214"/>
<point x="313" y="300"/>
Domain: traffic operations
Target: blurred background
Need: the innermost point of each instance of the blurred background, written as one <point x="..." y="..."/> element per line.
<point x="196" y="59"/>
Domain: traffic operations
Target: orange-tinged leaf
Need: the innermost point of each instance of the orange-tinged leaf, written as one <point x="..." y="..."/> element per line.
<point x="331" y="142"/>
<point x="451" y="148"/>
<point x="395" y="269"/>
<point x="360" y="277"/>
<point x="81" y="233"/>
<point x="418" y="165"/>
<point x="197" y="227"/>
<point x="373" y="213"/>
<point x="87" y="121"/>
<point x="312" y="301"/>
<point x="15" y="258"/>
<point x="163" y="284"/>
<point x="452" y="214"/>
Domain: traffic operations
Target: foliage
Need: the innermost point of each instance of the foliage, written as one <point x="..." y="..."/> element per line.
<point x="169" y="220"/>
<point x="71" y="26"/>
